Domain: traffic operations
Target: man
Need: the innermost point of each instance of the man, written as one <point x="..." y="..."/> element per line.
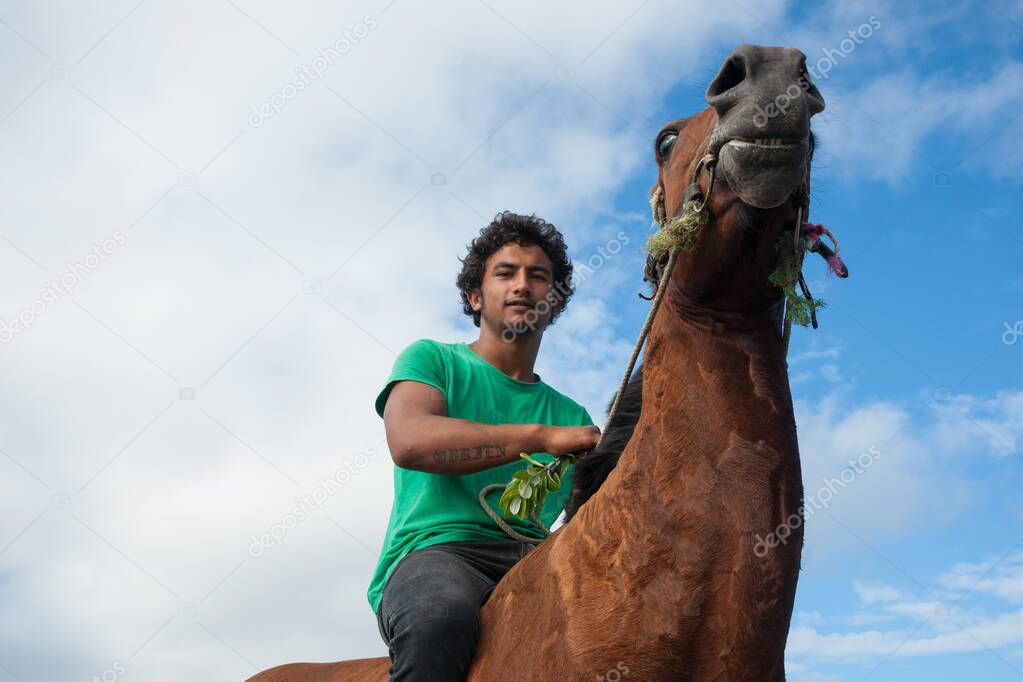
<point x="457" y="416"/>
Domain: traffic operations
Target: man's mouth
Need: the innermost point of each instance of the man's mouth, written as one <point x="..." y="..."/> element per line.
<point x="525" y="305"/>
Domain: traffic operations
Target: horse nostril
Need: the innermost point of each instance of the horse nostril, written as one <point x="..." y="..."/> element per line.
<point x="732" y="73"/>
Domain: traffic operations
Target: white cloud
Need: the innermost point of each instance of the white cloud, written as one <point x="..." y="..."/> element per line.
<point x="911" y="459"/>
<point x="881" y="129"/>
<point x="215" y="290"/>
<point x="1001" y="577"/>
<point x="994" y="425"/>
<point x="894" y="91"/>
<point x="898" y="467"/>
<point x="871" y="593"/>
<point x="874" y="645"/>
<point x="949" y="623"/>
<point x="915" y="629"/>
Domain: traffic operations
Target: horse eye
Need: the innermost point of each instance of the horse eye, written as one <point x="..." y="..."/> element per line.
<point x="665" y="143"/>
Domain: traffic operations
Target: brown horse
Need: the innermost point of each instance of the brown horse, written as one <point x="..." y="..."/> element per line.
<point x="657" y="575"/>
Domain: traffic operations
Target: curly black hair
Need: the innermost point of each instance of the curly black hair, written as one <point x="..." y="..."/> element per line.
<point x="529" y="230"/>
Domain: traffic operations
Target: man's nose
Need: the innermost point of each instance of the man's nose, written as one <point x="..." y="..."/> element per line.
<point x="521" y="281"/>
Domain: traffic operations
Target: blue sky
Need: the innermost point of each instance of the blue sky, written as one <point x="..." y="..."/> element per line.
<point x="259" y="275"/>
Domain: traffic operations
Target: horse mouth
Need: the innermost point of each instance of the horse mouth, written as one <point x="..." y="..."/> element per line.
<point x="764" y="172"/>
<point x="771" y="142"/>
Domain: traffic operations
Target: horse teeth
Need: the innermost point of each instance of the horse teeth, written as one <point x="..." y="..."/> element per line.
<point x="760" y="142"/>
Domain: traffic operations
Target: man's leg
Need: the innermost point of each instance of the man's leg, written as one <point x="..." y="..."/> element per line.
<point x="429" y="609"/>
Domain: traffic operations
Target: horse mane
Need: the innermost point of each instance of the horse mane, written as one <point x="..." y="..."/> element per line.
<point x="590" y="472"/>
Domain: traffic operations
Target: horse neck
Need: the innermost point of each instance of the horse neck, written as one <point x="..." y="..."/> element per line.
<point x="715" y="388"/>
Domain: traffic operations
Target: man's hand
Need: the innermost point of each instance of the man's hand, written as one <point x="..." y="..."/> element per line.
<point x="568" y="440"/>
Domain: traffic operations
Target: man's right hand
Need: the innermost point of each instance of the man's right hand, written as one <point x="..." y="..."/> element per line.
<point x="568" y="440"/>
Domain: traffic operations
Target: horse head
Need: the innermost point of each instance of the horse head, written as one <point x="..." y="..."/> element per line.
<point x="746" y="158"/>
<point x="744" y="161"/>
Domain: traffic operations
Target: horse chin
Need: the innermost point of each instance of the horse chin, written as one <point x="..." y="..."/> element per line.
<point x="763" y="175"/>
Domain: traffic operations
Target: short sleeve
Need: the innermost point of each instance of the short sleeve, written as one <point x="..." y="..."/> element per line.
<point x="422" y="361"/>
<point x="587" y="420"/>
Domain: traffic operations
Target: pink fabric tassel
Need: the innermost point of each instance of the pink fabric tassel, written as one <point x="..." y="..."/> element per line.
<point x="816" y="231"/>
<point x="835" y="265"/>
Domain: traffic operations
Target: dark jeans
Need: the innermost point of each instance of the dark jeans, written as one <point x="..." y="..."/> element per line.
<point x="429" y="609"/>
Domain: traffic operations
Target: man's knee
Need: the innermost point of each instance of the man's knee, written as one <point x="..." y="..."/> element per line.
<point x="445" y="613"/>
<point x="436" y="589"/>
<point x="435" y="640"/>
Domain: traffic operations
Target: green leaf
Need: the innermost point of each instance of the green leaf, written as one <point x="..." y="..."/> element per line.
<point x="527" y="457"/>
<point x="541" y="495"/>
<point x="509" y="492"/>
<point x="563" y="467"/>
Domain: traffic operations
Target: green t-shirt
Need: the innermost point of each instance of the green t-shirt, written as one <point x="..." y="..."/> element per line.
<point x="432" y="508"/>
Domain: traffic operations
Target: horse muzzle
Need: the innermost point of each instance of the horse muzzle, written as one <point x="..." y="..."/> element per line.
<point x="763" y="173"/>
<point x="764" y="100"/>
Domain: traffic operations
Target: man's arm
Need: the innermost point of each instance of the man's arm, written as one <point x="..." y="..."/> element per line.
<point x="422" y="437"/>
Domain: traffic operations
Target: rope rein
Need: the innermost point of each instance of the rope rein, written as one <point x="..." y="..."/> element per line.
<point x="514" y="534"/>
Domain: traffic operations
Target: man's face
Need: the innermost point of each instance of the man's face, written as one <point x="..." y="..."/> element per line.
<point x="514" y="297"/>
